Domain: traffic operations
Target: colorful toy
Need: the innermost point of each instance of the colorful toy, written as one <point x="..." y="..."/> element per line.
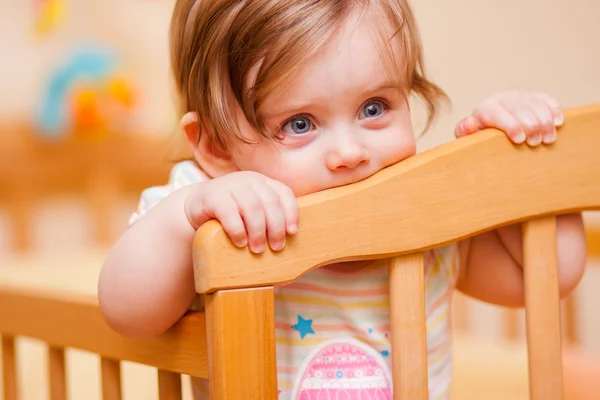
<point x="86" y="96"/>
<point x="49" y="14"/>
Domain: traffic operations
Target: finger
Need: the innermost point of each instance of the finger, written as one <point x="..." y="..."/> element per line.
<point x="289" y="203"/>
<point x="527" y="119"/>
<point x="226" y="211"/>
<point x="557" y="110"/>
<point x="253" y="213"/>
<point x="544" y="115"/>
<point x="274" y="216"/>
<point x="467" y="126"/>
<point x="496" y="116"/>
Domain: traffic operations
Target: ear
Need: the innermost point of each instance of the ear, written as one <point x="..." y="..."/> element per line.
<point x="213" y="160"/>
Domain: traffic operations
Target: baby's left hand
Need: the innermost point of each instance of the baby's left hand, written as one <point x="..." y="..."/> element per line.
<point x="524" y="116"/>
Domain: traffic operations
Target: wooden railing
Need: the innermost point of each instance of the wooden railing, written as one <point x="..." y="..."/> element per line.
<point x="450" y="193"/>
<point x="73" y="320"/>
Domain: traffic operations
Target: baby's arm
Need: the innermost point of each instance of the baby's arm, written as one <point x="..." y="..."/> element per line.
<point x="491" y="267"/>
<point x="492" y="263"/>
<point x="146" y="283"/>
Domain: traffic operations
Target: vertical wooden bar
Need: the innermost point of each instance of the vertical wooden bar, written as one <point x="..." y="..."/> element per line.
<point x="21" y="210"/>
<point x="511" y="324"/>
<point x="58" y="382"/>
<point x="103" y="191"/>
<point x="542" y="304"/>
<point x="241" y="344"/>
<point x="111" y="379"/>
<point x="169" y="385"/>
<point x="571" y="318"/>
<point x="460" y="313"/>
<point x="9" y="368"/>
<point x="408" y="325"/>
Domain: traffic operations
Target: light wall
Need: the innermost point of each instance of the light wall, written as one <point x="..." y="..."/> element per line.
<point x="473" y="48"/>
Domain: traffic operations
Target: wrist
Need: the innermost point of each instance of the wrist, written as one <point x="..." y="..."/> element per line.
<point x="175" y="215"/>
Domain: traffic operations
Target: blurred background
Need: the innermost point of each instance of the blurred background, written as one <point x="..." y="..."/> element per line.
<point x="87" y="121"/>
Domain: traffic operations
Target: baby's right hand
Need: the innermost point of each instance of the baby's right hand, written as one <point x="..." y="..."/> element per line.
<point x="249" y="206"/>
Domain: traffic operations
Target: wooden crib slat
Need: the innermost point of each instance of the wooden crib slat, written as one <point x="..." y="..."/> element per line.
<point x="570" y="318"/>
<point x="20" y="214"/>
<point x="169" y="385"/>
<point x="9" y="368"/>
<point x="408" y="325"/>
<point x="241" y="344"/>
<point x="460" y="313"/>
<point x="103" y="191"/>
<point x="511" y="324"/>
<point x="111" y="379"/>
<point x="58" y="382"/>
<point x="542" y="301"/>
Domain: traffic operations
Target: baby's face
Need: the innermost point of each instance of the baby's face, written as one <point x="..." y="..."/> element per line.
<point x="341" y="119"/>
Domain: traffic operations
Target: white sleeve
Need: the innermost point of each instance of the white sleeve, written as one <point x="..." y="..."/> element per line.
<point x="183" y="174"/>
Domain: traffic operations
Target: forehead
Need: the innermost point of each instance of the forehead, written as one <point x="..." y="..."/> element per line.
<point x="357" y="57"/>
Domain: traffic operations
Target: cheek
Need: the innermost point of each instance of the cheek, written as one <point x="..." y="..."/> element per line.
<point x="395" y="147"/>
<point x="300" y="172"/>
<point x="296" y="179"/>
<point x="288" y="167"/>
<point x="397" y="142"/>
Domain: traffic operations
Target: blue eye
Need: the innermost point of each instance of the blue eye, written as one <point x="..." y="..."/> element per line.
<point x="298" y="125"/>
<point x="372" y="109"/>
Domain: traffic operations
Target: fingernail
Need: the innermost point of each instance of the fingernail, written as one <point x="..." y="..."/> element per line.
<point x="278" y="245"/>
<point x="558" y="121"/>
<point x="520" y="137"/>
<point x="241" y="243"/>
<point x="534" y="140"/>
<point x="259" y="248"/>
<point x="293" y="229"/>
<point x="550" y="137"/>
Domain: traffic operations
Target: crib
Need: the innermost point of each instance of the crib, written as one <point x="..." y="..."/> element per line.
<point x="448" y="200"/>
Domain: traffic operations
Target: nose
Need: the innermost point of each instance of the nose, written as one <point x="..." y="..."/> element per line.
<point x="347" y="152"/>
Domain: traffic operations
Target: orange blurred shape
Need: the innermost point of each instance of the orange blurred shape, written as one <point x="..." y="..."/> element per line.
<point x="121" y="90"/>
<point x="86" y="113"/>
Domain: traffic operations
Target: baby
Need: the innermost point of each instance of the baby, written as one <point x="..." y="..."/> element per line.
<point x="282" y="98"/>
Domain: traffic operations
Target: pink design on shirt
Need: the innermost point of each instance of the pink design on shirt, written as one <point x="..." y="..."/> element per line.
<point x="343" y="370"/>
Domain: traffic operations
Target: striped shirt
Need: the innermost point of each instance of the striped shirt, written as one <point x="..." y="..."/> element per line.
<point x="333" y="327"/>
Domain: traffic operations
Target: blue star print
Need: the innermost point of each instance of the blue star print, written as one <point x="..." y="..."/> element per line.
<point x="304" y="326"/>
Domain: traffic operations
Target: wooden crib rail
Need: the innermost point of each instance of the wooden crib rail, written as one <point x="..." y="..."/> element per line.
<point x="66" y="319"/>
<point x="452" y="189"/>
<point x="444" y="195"/>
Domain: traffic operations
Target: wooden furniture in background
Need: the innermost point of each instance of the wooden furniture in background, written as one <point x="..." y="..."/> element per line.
<point x="449" y="193"/>
<point x="103" y="168"/>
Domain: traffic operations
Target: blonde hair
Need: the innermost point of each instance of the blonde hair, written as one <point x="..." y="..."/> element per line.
<point x="216" y="43"/>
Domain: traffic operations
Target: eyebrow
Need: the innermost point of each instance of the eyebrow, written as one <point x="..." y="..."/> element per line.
<point x="301" y="106"/>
